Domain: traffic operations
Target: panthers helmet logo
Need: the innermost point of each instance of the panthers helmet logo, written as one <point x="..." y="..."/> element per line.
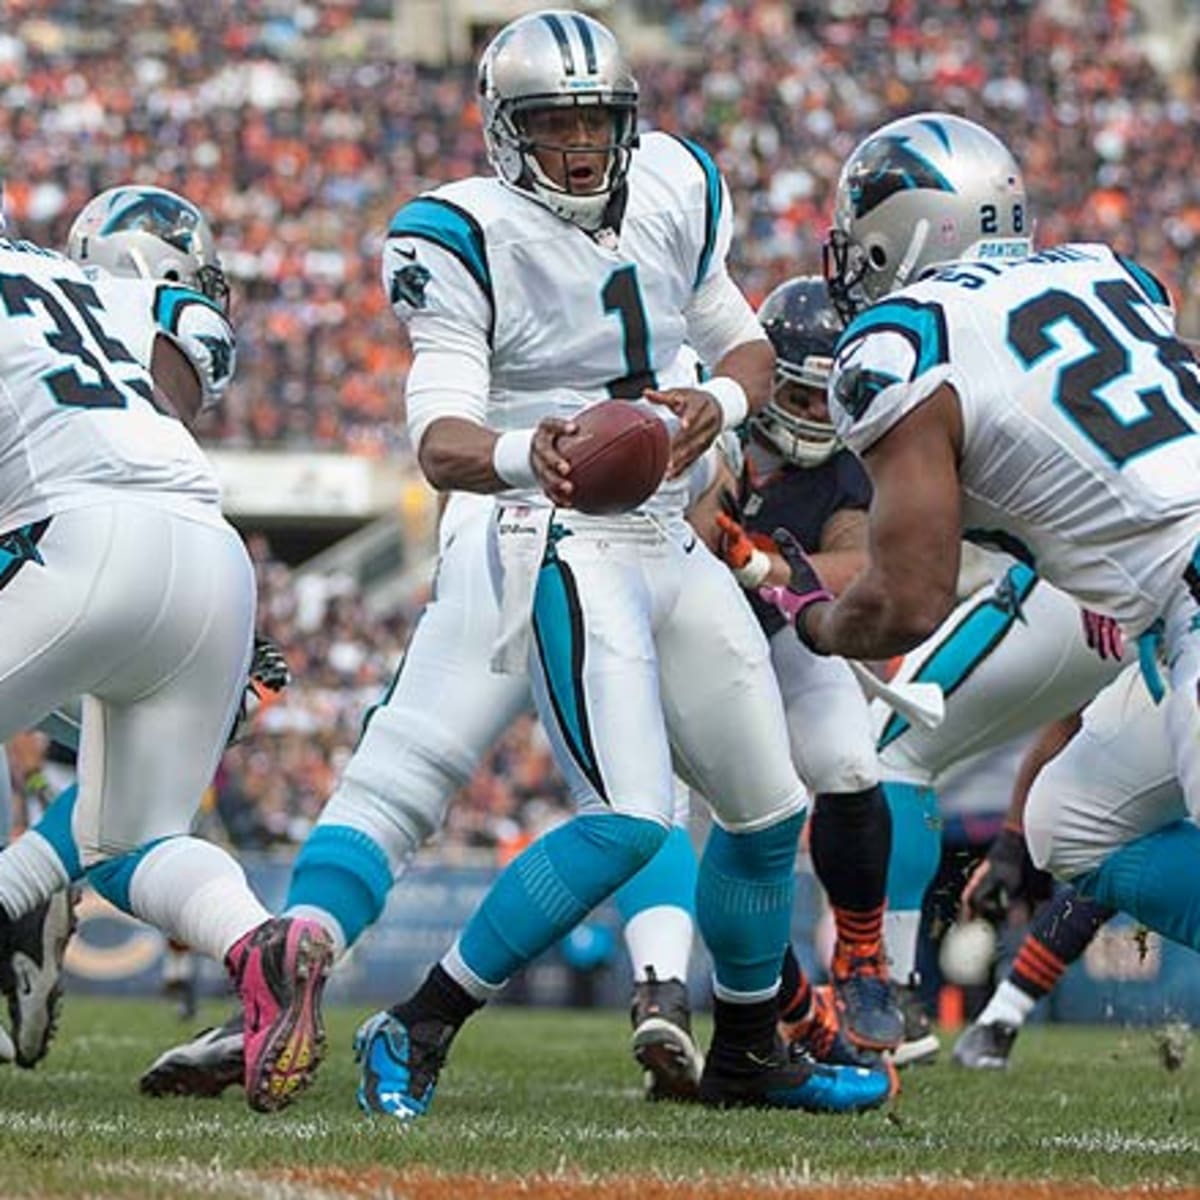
<point x="887" y="165"/>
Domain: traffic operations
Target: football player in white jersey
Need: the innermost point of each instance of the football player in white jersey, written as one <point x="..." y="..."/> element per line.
<point x="1012" y="656"/>
<point x="1045" y="398"/>
<point x="123" y="584"/>
<point x="137" y="232"/>
<point x="575" y="274"/>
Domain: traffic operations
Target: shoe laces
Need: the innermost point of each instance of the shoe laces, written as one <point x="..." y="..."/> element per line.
<point x="817" y="1033"/>
<point x="666" y="998"/>
<point x="860" y="960"/>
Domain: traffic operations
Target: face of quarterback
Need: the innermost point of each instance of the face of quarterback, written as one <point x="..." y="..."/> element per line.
<point x="572" y="144"/>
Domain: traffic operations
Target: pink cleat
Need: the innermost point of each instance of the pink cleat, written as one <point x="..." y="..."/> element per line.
<point x="280" y="969"/>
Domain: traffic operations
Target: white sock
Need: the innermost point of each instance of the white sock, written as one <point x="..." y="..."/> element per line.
<point x="660" y="937"/>
<point x="1008" y="1005"/>
<point x="196" y="893"/>
<point x="900" y="929"/>
<point x="478" y="989"/>
<point x="30" y="873"/>
<point x="327" y="921"/>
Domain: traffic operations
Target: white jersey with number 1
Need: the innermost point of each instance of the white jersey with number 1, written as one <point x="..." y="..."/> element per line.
<point x="543" y="319"/>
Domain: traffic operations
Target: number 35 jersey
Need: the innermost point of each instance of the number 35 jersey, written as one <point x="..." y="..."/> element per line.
<point x="78" y="416"/>
<point x="551" y="318"/>
<point x="1080" y="412"/>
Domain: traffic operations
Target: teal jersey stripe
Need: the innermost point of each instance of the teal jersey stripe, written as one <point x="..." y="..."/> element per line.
<point x="923" y="325"/>
<point x="169" y="303"/>
<point x="712" y="204"/>
<point x="448" y="226"/>
<point x="1147" y="282"/>
<point x="558" y="631"/>
<point x="981" y="630"/>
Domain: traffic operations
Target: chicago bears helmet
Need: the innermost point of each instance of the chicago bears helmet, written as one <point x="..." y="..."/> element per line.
<point x="918" y="193"/>
<point x="152" y="233"/>
<point x="556" y="59"/>
<point x="803" y="326"/>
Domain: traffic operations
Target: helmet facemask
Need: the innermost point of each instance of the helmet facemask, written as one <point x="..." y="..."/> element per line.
<point x="806" y="441"/>
<point x="591" y="160"/>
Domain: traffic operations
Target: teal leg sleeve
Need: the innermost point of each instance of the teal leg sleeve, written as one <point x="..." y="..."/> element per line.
<point x="916" y="844"/>
<point x="55" y="827"/>
<point x="112" y="878"/>
<point x="344" y="872"/>
<point x="1156" y="880"/>
<point x="552" y="886"/>
<point x="668" y="879"/>
<point x="744" y="895"/>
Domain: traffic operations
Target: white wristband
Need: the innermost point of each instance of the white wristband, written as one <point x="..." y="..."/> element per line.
<point x="512" y="458"/>
<point x="754" y="571"/>
<point x="731" y="397"/>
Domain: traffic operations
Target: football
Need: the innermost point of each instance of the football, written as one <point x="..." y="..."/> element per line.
<point x="618" y="457"/>
<point x="967" y="953"/>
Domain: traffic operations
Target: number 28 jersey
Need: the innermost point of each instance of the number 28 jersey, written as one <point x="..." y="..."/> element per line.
<point x="78" y="416"/>
<point x="1080" y="412"/>
<point x="550" y="318"/>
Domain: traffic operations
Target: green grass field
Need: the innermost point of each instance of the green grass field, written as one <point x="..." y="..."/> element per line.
<point x="556" y="1095"/>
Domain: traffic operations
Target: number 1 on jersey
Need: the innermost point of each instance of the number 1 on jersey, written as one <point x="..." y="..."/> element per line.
<point x="621" y="295"/>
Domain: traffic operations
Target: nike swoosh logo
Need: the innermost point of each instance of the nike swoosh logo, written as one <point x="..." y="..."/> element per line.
<point x="411" y="255"/>
<point x="690" y="546"/>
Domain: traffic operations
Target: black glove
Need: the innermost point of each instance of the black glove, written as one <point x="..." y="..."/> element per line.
<point x="804" y="587"/>
<point x="267" y="677"/>
<point x="268" y="667"/>
<point x="999" y="879"/>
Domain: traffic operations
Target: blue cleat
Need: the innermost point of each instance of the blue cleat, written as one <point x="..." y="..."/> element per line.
<point x="791" y="1079"/>
<point x="400" y="1064"/>
<point x="868" y="1010"/>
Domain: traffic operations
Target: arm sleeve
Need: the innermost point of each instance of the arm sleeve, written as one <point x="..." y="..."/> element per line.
<point x="448" y="317"/>
<point x="719" y="318"/>
<point x="448" y="377"/>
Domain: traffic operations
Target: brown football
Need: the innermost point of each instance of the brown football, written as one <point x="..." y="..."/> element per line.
<point x="618" y="457"/>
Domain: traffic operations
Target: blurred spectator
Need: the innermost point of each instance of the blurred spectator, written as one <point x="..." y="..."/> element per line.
<point x="300" y="158"/>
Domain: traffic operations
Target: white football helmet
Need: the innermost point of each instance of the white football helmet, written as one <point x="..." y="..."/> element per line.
<point x="921" y="192"/>
<point x="151" y="233"/>
<point x="556" y="59"/>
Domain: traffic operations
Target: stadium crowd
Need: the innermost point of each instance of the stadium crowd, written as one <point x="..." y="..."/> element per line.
<point x="299" y="140"/>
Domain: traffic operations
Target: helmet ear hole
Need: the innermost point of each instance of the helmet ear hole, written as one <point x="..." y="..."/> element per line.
<point x="878" y="256"/>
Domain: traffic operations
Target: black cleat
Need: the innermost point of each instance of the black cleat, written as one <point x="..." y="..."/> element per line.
<point x="662" y="1039"/>
<point x="920" y="1043"/>
<point x="31" y="973"/>
<point x="788" y="1079"/>
<point x="985" y="1047"/>
<point x="212" y="1061"/>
